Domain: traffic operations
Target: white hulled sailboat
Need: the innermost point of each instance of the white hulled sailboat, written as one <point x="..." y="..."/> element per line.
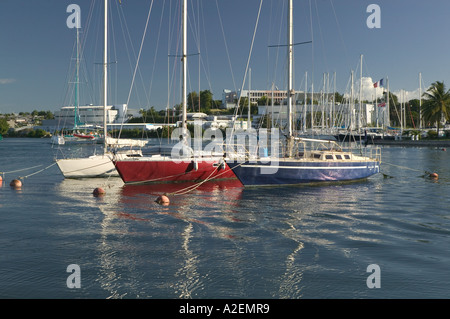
<point x="98" y="165"/>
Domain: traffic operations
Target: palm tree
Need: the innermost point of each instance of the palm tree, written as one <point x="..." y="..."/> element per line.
<point x="437" y="104"/>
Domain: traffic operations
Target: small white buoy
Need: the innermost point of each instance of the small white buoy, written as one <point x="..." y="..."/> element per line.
<point x="15" y="183"/>
<point x="163" y="200"/>
<point x="98" y="192"/>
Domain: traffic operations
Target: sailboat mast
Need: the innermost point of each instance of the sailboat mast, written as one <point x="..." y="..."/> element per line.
<point x="420" y="100"/>
<point x="184" y="61"/>
<point x="105" y="76"/>
<point x="290" y="58"/>
<point x="333" y="108"/>
<point x="351" y="104"/>
<point x="272" y="103"/>
<point x="249" y="125"/>
<point x="387" y="116"/>
<point x="77" y="80"/>
<point x="360" y="93"/>
<point x="306" y="102"/>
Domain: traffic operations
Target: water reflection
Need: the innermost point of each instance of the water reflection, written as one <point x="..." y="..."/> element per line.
<point x="322" y="222"/>
<point x="217" y="240"/>
<point x="188" y="278"/>
<point x="133" y="228"/>
<point x="296" y="242"/>
<point x="194" y="211"/>
<point x="193" y="205"/>
<point x="112" y="257"/>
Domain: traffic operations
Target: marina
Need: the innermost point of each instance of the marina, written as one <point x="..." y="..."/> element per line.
<point x="316" y="175"/>
<point x="224" y="241"/>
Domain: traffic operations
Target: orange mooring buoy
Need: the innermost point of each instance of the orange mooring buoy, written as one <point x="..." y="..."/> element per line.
<point x="434" y="175"/>
<point x="15" y="183"/>
<point x="163" y="200"/>
<point x="99" y="191"/>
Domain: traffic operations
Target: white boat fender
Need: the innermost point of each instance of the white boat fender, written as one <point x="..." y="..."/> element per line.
<point x="195" y="165"/>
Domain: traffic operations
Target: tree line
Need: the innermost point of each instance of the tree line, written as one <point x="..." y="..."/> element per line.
<point x="435" y="109"/>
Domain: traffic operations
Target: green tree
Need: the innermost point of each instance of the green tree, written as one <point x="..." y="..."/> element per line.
<point x="217" y="103"/>
<point x="394" y="108"/>
<point x="192" y="102"/>
<point x="4" y="126"/>
<point x="48" y="115"/>
<point x="437" y="104"/>
<point x="263" y="100"/>
<point x="150" y="115"/>
<point x="243" y="101"/>
<point x="414" y="107"/>
<point x="339" y="98"/>
<point x="206" y="101"/>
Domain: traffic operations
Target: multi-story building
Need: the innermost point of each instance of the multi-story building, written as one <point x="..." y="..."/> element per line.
<point x="90" y="115"/>
<point x="229" y="98"/>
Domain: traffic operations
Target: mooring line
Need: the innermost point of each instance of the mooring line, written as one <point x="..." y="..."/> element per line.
<point x="412" y="169"/>
<point x="39" y="171"/>
<point x="197" y="185"/>
<point x="20" y="170"/>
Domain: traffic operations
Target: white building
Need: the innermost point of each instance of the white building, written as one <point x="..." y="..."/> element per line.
<point x="230" y="98"/>
<point x="214" y="121"/>
<point x="256" y="95"/>
<point x="139" y="126"/>
<point x="91" y="115"/>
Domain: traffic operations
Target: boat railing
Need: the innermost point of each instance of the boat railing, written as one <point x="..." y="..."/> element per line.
<point x="250" y="151"/>
<point x="376" y="153"/>
<point x="302" y="150"/>
<point x="373" y="153"/>
<point x="238" y="152"/>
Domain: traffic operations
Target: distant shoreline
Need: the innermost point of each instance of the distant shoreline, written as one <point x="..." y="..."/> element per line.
<point x="411" y="143"/>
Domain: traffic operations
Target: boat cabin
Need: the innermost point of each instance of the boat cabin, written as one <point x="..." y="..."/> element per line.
<point x="326" y="155"/>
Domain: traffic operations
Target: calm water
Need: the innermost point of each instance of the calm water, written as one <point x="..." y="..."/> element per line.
<point x="220" y="241"/>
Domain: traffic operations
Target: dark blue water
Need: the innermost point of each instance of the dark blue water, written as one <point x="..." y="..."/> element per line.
<point x="220" y="241"/>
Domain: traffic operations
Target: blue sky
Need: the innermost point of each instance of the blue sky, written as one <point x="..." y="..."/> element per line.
<point x="37" y="56"/>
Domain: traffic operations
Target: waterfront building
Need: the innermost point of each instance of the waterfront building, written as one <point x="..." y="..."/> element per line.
<point x="92" y="115"/>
